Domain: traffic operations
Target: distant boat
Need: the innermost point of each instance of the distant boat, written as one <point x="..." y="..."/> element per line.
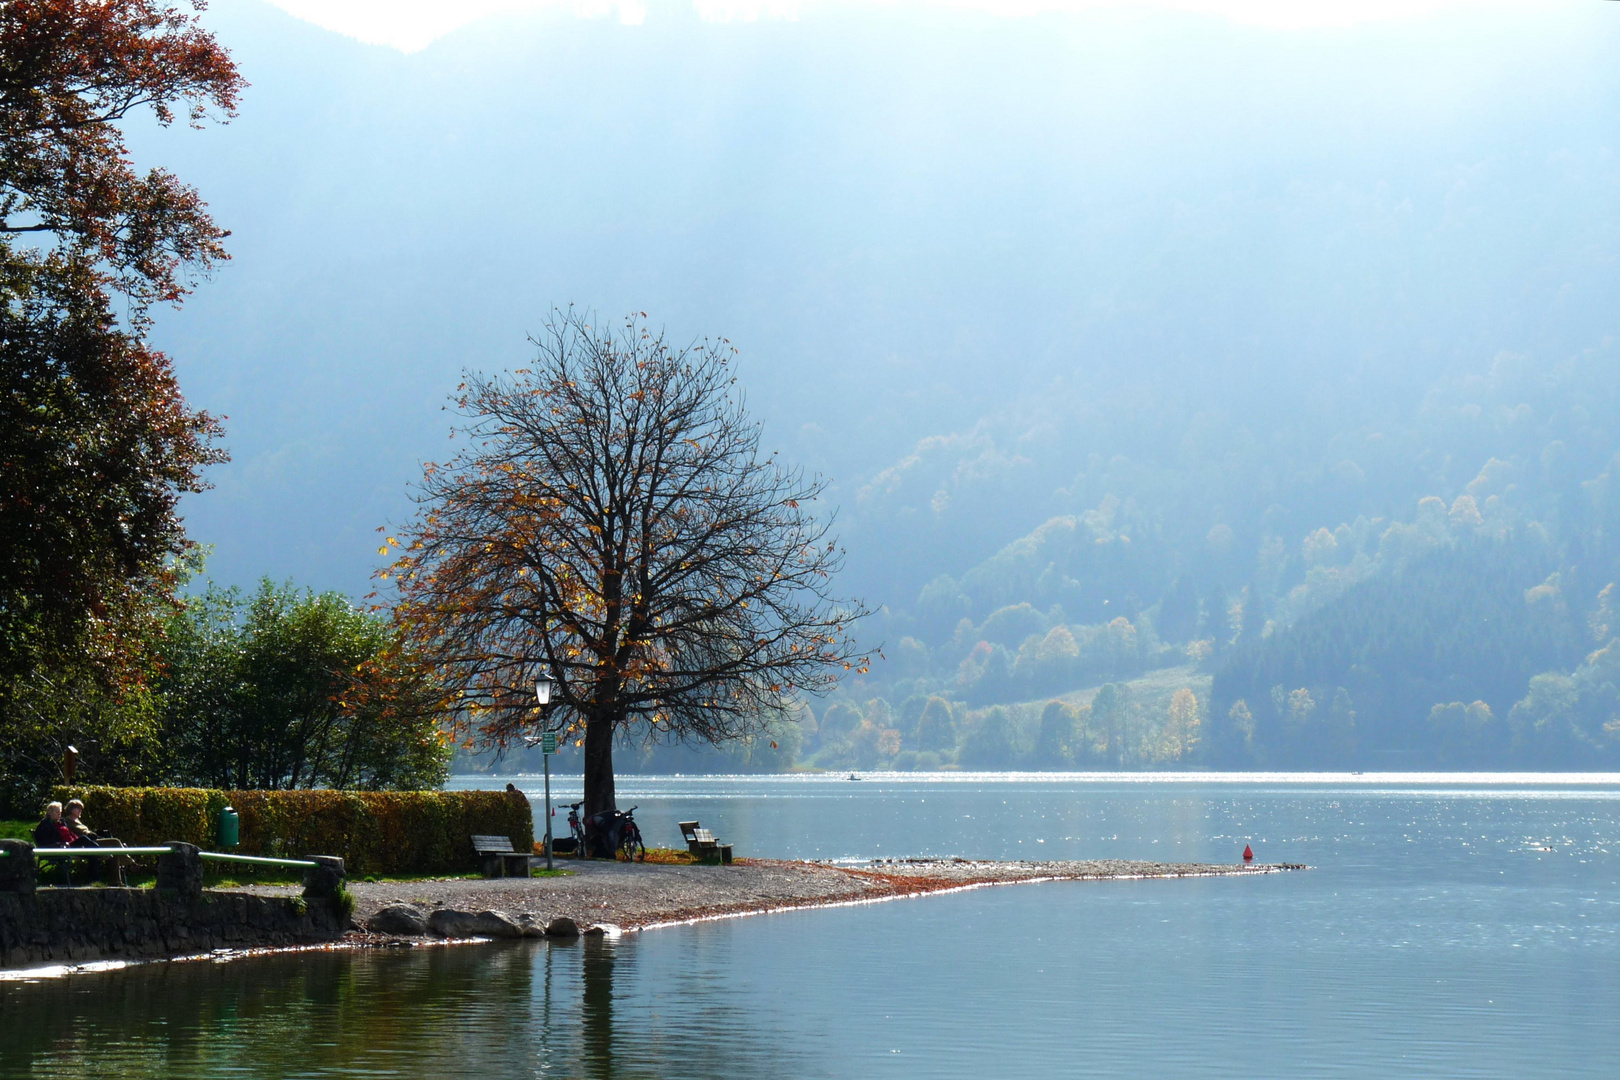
<point x="852" y="776"/>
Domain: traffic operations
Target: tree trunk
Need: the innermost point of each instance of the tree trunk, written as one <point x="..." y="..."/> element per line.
<point x="599" y="794"/>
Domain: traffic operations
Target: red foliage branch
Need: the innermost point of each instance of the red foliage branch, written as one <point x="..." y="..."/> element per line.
<point x="70" y="71"/>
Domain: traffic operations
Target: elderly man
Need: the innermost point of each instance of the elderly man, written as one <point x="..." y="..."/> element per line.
<point x="110" y="870"/>
<point x="83" y="835"/>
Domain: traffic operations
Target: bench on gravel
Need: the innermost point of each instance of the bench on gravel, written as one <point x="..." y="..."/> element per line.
<point x="701" y="843"/>
<point x="497" y="859"/>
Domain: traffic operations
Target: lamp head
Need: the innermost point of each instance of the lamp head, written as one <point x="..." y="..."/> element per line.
<point x="542" y="690"/>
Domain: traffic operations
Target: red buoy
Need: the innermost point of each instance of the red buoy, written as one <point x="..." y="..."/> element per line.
<point x="1248" y="853"/>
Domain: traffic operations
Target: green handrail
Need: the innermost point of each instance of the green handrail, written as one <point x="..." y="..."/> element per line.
<point x="215" y="856"/>
<point x="212" y="856"/>
<point x="93" y="852"/>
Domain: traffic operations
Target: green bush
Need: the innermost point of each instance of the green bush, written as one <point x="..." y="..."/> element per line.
<point x="375" y="832"/>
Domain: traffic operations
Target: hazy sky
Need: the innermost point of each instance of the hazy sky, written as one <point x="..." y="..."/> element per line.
<point x="983" y="271"/>
<point x="413" y="24"/>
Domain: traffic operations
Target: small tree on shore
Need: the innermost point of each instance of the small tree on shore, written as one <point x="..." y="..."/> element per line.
<point x="615" y="526"/>
<point x="290" y="689"/>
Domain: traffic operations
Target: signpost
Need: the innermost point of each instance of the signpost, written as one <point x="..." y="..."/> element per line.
<point x="548" y="746"/>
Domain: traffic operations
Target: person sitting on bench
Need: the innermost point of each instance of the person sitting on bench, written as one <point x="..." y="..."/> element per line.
<point x="53" y="832"/>
<point x="110" y="870"/>
<point x="83" y="835"/>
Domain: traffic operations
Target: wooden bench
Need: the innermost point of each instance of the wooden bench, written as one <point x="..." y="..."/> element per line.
<point x="701" y="843"/>
<point x="497" y="859"/>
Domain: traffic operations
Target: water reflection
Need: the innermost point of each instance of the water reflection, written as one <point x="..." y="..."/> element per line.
<point x="597" y="1018"/>
<point x="533" y="1009"/>
<point x="374" y="1013"/>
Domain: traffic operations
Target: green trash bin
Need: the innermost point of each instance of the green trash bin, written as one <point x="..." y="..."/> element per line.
<point x="230" y="827"/>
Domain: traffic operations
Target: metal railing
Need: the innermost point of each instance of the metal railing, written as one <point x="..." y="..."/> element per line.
<point x="179" y="867"/>
<point x="262" y="860"/>
<point x="94" y="852"/>
<point x="211" y="856"/>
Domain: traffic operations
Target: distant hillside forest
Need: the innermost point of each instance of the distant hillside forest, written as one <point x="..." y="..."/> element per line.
<point x="1476" y="628"/>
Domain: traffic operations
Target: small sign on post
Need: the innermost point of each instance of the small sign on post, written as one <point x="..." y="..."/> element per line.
<point x="548" y="743"/>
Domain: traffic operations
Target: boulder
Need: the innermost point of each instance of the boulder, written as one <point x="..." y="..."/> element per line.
<point x="399" y="919"/>
<point x="562" y="927"/>
<point x="448" y="922"/>
<point x="497" y="924"/>
<point x="531" y="924"/>
<point x="604" y="930"/>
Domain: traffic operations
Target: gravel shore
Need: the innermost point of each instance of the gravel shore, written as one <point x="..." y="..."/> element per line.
<point x="639" y="895"/>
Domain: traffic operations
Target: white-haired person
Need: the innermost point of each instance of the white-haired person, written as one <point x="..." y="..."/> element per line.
<point x="53" y="832"/>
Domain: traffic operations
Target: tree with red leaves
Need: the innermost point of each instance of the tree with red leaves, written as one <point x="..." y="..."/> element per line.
<point x="96" y="442"/>
<point x="70" y="71"/>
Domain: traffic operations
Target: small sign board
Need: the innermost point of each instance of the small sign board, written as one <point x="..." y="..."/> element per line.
<point x="548" y="742"/>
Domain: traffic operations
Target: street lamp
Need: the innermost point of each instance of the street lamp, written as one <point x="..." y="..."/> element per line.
<point x="548" y="746"/>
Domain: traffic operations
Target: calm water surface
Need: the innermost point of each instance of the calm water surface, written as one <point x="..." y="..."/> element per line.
<point x="1452" y="927"/>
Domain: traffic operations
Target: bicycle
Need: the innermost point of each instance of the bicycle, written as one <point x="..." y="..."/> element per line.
<point x="630" y="837"/>
<point x="576" y="828"/>
<point x="612" y="833"/>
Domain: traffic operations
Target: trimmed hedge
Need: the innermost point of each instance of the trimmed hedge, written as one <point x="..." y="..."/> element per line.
<point x="376" y="832"/>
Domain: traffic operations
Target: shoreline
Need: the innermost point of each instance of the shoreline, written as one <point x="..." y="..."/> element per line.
<point x="884" y="880"/>
<point x="614" y="898"/>
<point x="630" y="897"/>
<point x="967" y="886"/>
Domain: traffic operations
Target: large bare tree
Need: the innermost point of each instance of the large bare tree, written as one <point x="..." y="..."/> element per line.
<point x="614" y="525"/>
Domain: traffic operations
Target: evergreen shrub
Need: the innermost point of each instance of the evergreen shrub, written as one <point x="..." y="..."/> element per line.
<point x="375" y="832"/>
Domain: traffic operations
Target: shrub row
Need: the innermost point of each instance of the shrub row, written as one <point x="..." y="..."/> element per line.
<point x="376" y="832"/>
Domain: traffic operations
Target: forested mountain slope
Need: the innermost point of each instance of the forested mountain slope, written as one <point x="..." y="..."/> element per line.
<point x="1468" y="628"/>
<point x="1417" y="668"/>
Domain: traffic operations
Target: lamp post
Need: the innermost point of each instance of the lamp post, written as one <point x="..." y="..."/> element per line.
<point x="548" y="746"/>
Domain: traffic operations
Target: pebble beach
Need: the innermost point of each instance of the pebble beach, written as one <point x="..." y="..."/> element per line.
<point x="636" y="896"/>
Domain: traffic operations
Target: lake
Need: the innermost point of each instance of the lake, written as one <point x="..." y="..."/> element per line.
<point x="1451" y="926"/>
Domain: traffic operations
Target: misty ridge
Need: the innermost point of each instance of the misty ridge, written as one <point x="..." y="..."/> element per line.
<point x="1194" y="394"/>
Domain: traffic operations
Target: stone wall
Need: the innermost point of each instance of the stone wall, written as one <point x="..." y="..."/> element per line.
<point x="56" y="926"/>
